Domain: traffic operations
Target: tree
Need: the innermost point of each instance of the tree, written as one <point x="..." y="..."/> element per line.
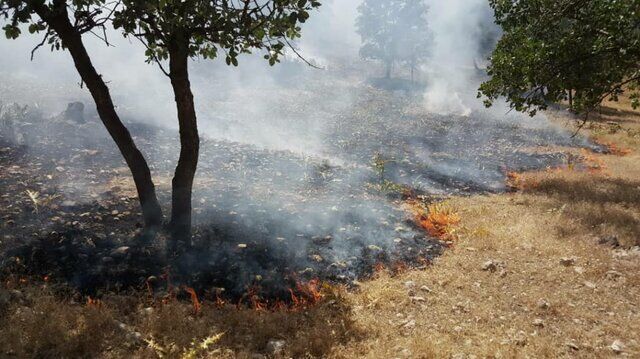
<point x="177" y="30"/>
<point x="555" y="50"/>
<point x="64" y="23"/>
<point x="393" y="31"/>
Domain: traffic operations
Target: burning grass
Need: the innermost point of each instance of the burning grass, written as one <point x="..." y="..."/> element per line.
<point x="438" y="219"/>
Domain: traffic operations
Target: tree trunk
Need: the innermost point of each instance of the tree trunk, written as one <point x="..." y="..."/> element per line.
<point x="189" y="140"/>
<point x="571" y="99"/>
<point x="72" y="40"/>
<point x="389" y="66"/>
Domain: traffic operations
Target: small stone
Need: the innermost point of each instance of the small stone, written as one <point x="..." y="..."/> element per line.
<point x="120" y="251"/>
<point x="538" y="323"/>
<point x="410" y="324"/>
<point x="543" y="304"/>
<point x="520" y="338"/>
<point x="405" y="353"/>
<point x="147" y="311"/>
<point x="572" y="345"/>
<point x="115" y="212"/>
<point x="418" y="299"/>
<point x="568" y="261"/>
<point x="410" y="284"/>
<point x="275" y="346"/>
<point x="617" y="347"/>
<point x="589" y="285"/>
<point x="242" y="245"/>
<point x="613" y="275"/>
<point x="489" y="266"/>
<point x="68" y="203"/>
<point x="426" y="289"/>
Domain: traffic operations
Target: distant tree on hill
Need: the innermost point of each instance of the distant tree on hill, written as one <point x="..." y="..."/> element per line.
<point x="557" y="50"/>
<point x="394" y="31"/>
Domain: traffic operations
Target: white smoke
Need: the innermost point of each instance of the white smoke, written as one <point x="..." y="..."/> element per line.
<point x="456" y="27"/>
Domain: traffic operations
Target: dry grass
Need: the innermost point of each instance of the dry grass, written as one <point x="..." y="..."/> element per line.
<point x="527" y="277"/>
<point x="468" y="311"/>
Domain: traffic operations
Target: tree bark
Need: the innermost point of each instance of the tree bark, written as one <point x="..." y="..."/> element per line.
<point x="59" y="21"/>
<point x="189" y="139"/>
<point x="571" y="99"/>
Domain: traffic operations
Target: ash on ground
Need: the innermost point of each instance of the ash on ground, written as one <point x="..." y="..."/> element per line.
<point x="318" y="197"/>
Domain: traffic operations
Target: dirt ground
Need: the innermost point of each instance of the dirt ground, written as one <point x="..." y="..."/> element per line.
<point x="549" y="270"/>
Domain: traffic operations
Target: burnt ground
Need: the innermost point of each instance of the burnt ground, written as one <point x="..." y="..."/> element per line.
<point x="265" y="218"/>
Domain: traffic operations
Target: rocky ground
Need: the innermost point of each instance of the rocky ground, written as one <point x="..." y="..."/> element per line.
<point x="268" y="214"/>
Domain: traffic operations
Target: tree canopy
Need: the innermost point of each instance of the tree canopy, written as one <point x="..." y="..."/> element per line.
<point x="555" y="50"/>
<point x="393" y="31"/>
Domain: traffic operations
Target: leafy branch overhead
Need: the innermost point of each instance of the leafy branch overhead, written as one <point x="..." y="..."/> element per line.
<point x="232" y="27"/>
<point x="583" y="51"/>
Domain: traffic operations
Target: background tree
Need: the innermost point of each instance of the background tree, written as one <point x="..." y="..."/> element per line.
<point x="176" y="30"/>
<point x="554" y="49"/>
<point x="64" y="23"/>
<point x="393" y="31"/>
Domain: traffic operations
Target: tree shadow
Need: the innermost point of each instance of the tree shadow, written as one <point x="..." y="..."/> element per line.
<point x="597" y="202"/>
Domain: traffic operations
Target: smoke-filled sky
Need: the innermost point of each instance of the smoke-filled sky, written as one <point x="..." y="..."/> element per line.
<point x="329" y="34"/>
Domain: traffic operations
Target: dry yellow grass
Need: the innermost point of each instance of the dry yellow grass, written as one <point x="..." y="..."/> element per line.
<point x="528" y="276"/>
<point x="501" y="310"/>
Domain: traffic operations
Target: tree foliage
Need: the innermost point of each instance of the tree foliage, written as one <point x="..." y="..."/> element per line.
<point x="231" y="26"/>
<point x="555" y="49"/>
<point x="393" y="31"/>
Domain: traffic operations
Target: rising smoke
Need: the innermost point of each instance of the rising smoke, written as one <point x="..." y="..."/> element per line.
<point x="287" y="158"/>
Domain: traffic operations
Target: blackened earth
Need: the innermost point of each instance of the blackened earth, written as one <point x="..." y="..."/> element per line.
<point x="265" y="218"/>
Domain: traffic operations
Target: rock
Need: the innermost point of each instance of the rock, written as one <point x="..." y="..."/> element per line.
<point x="613" y="275"/>
<point x="405" y="353"/>
<point x="74" y="112"/>
<point x="610" y="240"/>
<point x="409" y="324"/>
<point x="572" y="345"/>
<point x="489" y="266"/>
<point x="617" y="347"/>
<point x="520" y="338"/>
<point x="589" y="285"/>
<point x="120" y="251"/>
<point x="418" y="299"/>
<point x="68" y="203"/>
<point x="538" y="323"/>
<point x="275" y="346"/>
<point x="568" y="261"/>
<point x="543" y="304"/>
<point x="410" y="284"/>
<point x="426" y="289"/>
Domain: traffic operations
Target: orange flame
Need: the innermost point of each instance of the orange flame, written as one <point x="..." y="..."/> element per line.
<point x="439" y="221"/>
<point x="613" y="148"/>
<point x="194" y="299"/>
<point x="95" y="303"/>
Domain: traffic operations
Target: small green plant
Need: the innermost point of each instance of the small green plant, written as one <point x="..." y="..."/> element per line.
<point x="379" y="164"/>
